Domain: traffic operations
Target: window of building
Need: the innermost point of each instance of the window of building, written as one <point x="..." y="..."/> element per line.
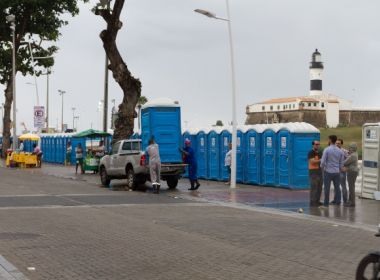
<point x="278" y="107"/>
<point x="283" y="107"/>
<point x="323" y="105"/>
<point x="315" y="104"/>
<point x="271" y="107"/>
<point x="309" y="104"/>
<point x="263" y="108"/>
<point x="294" y="106"/>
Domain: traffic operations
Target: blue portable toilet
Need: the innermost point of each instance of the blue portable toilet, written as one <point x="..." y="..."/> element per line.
<point x="60" y="149"/>
<point x="201" y="153"/>
<point x="55" y="148"/>
<point x="293" y="144"/>
<point x="252" y="147"/>
<point x="45" y="147"/>
<point x="161" y="119"/>
<point x="213" y="154"/>
<point x="240" y="155"/>
<point x="269" y="175"/>
<point x="225" y="139"/>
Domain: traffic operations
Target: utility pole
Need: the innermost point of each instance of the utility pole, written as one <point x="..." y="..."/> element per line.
<point x="61" y="93"/>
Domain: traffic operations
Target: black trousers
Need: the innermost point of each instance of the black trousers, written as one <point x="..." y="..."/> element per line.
<point x="316" y="183"/>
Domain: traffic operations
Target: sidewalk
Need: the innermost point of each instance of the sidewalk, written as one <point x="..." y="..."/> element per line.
<point x="366" y="212"/>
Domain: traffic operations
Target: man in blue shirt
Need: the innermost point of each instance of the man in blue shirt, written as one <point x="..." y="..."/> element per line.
<point x="332" y="164"/>
<point x="190" y="159"/>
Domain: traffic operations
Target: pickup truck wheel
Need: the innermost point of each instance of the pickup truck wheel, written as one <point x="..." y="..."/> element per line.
<point x="131" y="180"/>
<point x="105" y="180"/>
<point x="172" y="182"/>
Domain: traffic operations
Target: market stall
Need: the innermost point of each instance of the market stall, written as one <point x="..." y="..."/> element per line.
<point x="23" y="157"/>
<point x="96" y="148"/>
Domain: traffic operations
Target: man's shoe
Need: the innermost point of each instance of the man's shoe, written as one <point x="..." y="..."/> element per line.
<point x="348" y="204"/>
<point x="191" y="189"/>
<point x="197" y="186"/>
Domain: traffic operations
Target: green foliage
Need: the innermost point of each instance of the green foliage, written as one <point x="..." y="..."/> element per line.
<point x="219" y="123"/>
<point x="38" y="23"/>
<point x="142" y="100"/>
<point x="348" y="134"/>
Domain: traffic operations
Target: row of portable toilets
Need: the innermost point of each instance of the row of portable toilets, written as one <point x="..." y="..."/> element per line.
<point x="269" y="155"/>
<point x="54" y="146"/>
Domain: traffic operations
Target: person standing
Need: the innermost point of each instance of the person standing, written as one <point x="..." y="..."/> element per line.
<point x="351" y="166"/>
<point x="37" y="151"/>
<point x="21" y="146"/>
<point x="332" y="164"/>
<point x="343" y="174"/>
<point x="154" y="165"/>
<point x="227" y="163"/>
<point x="315" y="174"/>
<point x="189" y="156"/>
<point x="68" y="153"/>
<point x="79" y="158"/>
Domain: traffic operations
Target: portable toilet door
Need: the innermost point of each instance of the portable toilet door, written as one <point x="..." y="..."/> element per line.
<point x="47" y="155"/>
<point x="252" y="160"/>
<point x="240" y="157"/>
<point x="213" y="155"/>
<point x="201" y="154"/>
<point x="60" y="150"/>
<point x="269" y="158"/>
<point x="225" y="140"/>
<point x="302" y="136"/>
<point x="371" y="159"/>
<point x="283" y="154"/>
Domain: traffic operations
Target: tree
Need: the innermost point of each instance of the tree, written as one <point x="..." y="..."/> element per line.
<point x="219" y="123"/>
<point x="130" y="86"/>
<point x="37" y="28"/>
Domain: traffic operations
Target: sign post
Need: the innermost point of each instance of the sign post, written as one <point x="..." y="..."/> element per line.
<point x="39" y="117"/>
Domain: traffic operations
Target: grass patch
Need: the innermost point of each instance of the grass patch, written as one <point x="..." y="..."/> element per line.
<point x="348" y="134"/>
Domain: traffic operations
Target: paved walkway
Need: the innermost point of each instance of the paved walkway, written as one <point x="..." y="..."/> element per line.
<point x="366" y="212"/>
<point x="68" y="227"/>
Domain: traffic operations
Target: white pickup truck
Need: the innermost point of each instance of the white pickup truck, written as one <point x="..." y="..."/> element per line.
<point x="128" y="161"/>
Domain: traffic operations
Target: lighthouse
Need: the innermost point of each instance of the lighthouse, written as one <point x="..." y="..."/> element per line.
<point x="316" y="69"/>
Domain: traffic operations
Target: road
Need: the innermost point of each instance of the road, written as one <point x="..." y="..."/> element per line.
<point x="68" y="227"/>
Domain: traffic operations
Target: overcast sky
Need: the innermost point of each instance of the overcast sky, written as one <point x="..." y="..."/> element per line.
<point x="183" y="55"/>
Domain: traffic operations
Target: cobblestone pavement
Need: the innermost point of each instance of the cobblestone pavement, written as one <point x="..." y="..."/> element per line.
<point x="71" y="228"/>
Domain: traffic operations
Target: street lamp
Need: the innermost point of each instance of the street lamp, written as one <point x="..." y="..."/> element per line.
<point x="76" y="127"/>
<point x="73" y="108"/>
<point x="11" y="19"/>
<point x="234" y="124"/>
<point x="62" y="93"/>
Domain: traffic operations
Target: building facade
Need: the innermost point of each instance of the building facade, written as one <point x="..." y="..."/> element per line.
<point x="318" y="108"/>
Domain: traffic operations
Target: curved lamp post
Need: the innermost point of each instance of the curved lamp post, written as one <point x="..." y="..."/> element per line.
<point x="234" y="124"/>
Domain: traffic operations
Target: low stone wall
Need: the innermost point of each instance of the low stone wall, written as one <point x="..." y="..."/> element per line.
<point x="358" y="118"/>
<point x="315" y="117"/>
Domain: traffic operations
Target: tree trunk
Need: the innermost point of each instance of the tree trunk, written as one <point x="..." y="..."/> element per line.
<point x="130" y="86"/>
<point x="8" y="93"/>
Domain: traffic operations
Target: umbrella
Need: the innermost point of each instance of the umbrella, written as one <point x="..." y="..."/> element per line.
<point x="91" y="133"/>
<point x="29" y="136"/>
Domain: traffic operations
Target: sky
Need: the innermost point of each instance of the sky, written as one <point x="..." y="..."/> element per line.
<point x="185" y="56"/>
